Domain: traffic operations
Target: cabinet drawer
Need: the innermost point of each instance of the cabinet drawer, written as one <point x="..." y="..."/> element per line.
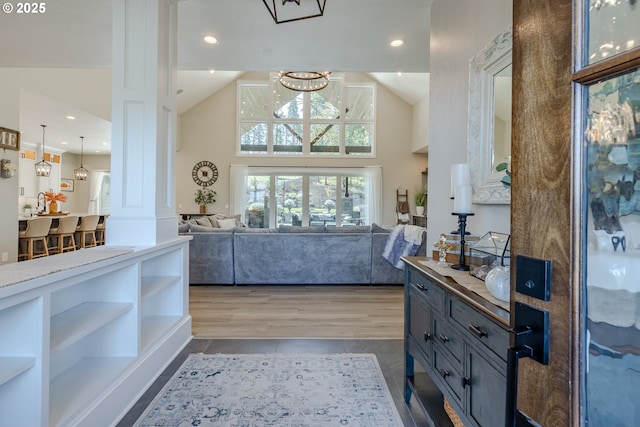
<point x="446" y="371"/>
<point x="480" y="328"/>
<point x="449" y="337"/>
<point x="432" y="293"/>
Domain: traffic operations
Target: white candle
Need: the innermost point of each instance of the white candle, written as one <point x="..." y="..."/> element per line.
<point x="462" y="201"/>
<point x="459" y="176"/>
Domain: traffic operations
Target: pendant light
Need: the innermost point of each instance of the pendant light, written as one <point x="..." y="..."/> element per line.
<point x="43" y="168"/>
<point x="81" y="173"/>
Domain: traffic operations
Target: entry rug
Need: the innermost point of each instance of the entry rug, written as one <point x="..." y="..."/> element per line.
<point x="274" y="390"/>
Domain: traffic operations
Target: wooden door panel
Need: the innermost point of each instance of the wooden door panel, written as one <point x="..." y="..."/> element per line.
<point x="541" y="202"/>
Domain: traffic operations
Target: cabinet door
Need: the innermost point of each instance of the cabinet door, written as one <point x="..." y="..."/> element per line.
<point x="420" y="323"/>
<point x="27" y="178"/>
<point x="486" y="389"/>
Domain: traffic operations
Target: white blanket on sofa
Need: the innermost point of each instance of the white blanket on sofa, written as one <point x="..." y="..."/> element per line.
<point x="403" y="240"/>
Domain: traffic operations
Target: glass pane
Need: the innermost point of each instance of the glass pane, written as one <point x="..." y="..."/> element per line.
<point x="352" y="204"/>
<point x="254" y="102"/>
<point x="359" y="103"/>
<point x="289" y="200"/>
<point x="613" y="251"/>
<point x="612" y="28"/>
<point x="287" y="138"/>
<point x="253" y="137"/>
<point x="288" y="104"/>
<point x="358" y="138"/>
<point x="325" y="138"/>
<point x="257" y="201"/>
<point x="325" y="103"/>
<point x="322" y="200"/>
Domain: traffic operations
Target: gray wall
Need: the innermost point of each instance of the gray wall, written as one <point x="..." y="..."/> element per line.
<point x="459" y="29"/>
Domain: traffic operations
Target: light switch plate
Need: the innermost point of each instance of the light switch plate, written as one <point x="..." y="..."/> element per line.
<point x="533" y="277"/>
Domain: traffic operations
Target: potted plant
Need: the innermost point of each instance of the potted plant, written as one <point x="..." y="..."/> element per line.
<point x="27" y="208"/>
<point x="421" y="199"/>
<point x="204" y="197"/>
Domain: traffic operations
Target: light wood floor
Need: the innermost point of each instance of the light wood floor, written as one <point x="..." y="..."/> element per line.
<point x="292" y="311"/>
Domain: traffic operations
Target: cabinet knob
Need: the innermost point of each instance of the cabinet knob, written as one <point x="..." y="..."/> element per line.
<point x="476" y="330"/>
<point x="444" y="373"/>
<point x="466" y="381"/>
<point x="427" y="336"/>
<point x="443" y="338"/>
<point x="421" y="287"/>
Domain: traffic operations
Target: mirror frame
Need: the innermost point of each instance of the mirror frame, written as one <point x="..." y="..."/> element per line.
<point x="483" y="67"/>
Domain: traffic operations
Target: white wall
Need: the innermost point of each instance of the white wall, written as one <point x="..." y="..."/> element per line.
<point x="9" y="188"/>
<point x="78" y="199"/>
<point x="459" y="29"/>
<point x="208" y="132"/>
<point x="421" y="126"/>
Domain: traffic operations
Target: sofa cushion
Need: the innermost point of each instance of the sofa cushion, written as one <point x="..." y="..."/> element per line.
<point x="375" y="228"/>
<point x="183" y="227"/>
<point x="295" y="229"/>
<point x="255" y="230"/>
<point x="349" y="229"/>
<point x="203" y="229"/>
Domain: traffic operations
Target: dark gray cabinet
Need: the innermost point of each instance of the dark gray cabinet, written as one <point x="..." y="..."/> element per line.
<point x="460" y="345"/>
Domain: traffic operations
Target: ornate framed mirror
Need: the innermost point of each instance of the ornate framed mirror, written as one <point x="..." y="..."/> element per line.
<point x="489" y="126"/>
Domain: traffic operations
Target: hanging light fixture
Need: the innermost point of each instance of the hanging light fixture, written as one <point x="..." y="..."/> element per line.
<point x="304" y="81"/>
<point x="304" y="9"/>
<point x="81" y="173"/>
<point x="43" y="168"/>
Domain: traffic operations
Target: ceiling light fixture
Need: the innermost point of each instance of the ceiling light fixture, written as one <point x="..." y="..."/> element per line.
<point x="210" y="39"/>
<point x="71" y="117"/>
<point x="43" y="168"/>
<point x="304" y="9"/>
<point x="304" y="81"/>
<point x="81" y="173"/>
<point x="397" y="42"/>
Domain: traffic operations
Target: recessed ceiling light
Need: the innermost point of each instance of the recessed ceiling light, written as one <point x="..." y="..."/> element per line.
<point x="63" y="142"/>
<point x="210" y="39"/>
<point x="399" y="73"/>
<point x="211" y="71"/>
<point x="71" y="118"/>
<point x="397" y="43"/>
<point x="97" y="151"/>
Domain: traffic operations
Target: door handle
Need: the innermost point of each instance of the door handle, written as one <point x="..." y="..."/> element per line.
<point x="531" y="333"/>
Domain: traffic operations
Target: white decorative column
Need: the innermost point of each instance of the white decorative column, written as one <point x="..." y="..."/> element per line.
<point x="143" y="123"/>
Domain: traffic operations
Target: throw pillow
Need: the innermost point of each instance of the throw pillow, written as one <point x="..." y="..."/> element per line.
<point x="203" y="221"/>
<point x="375" y="228"/>
<point x="227" y="224"/>
<point x="184" y="227"/>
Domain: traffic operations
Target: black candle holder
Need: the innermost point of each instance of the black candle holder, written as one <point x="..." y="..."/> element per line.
<point x="462" y="224"/>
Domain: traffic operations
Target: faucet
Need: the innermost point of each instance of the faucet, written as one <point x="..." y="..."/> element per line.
<point x="44" y="202"/>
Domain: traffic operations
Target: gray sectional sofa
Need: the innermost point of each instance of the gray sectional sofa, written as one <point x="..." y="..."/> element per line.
<point x="291" y="255"/>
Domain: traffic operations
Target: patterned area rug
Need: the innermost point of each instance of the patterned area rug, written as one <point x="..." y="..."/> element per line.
<point x="265" y="390"/>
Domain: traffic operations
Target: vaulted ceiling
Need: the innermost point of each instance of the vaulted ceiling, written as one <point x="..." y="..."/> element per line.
<point x="353" y="35"/>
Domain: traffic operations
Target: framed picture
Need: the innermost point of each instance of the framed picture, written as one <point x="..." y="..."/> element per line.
<point x="9" y="139"/>
<point x="66" y="184"/>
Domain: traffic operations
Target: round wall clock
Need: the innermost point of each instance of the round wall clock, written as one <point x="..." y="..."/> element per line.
<point x="204" y="173"/>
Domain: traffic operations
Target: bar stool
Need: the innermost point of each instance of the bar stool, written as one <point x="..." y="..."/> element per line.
<point x="65" y="230"/>
<point x="100" y="231"/>
<point x="37" y="231"/>
<point x="87" y="228"/>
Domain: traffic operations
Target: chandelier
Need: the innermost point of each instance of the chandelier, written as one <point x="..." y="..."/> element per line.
<point x="43" y="168"/>
<point x="304" y="81"/>
<point x="287" y="13"/>
<point x="81" y="173"/>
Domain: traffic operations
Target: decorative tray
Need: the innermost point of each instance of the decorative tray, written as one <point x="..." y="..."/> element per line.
<point x="54" y="214"/>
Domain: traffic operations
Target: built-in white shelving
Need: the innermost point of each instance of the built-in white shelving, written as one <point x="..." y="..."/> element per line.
<point x="79" y="345"/>
<point x="11" y="367"/>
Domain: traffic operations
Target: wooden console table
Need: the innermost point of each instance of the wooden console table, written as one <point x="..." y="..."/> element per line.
<point x="458" y="334"/>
